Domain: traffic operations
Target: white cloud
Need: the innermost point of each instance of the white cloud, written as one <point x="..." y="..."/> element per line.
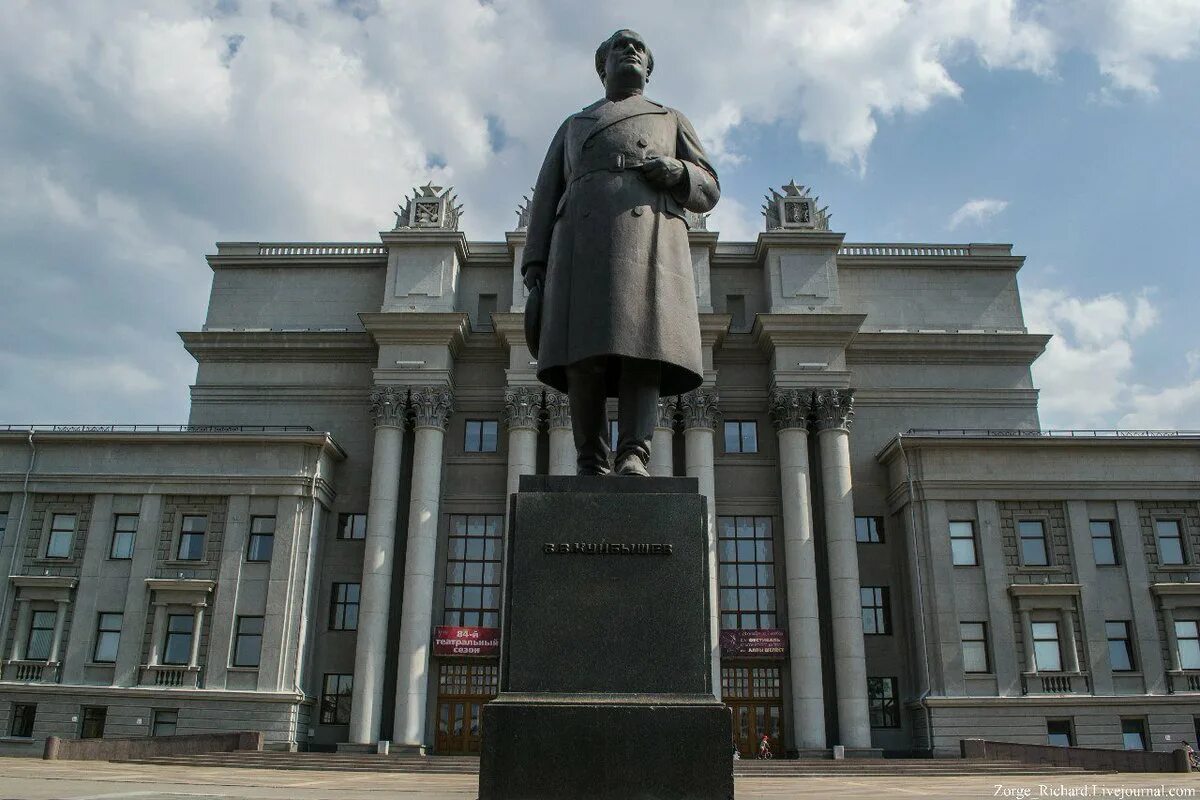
<point x="976" y="212"/>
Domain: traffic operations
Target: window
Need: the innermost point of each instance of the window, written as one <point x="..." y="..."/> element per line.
<point x="108" y="637"/>
<point x="747" y="573"/>
<point x="1058" y="733"/>
<point x="1170" y="541"/>
<point x="735" y="306"/>
<point x="486" y="307"/>
<point x="165" y="722"/>
<point x="974" y="646"/>
<point x="352" y="526"/>
<point x="1047" y="657"/>
<point x="1104" y="548"/>
<point x="191" y="538"/>
<point x="962" y="543"/>
<point x="178" y="647"/>
<point x="23" y="715"/>
<point x="876" y="610"/>
<point x="741" y="436"/>
<point x="1120" y="648"/>
<point x="868" y="530"/>
<point x="62" y="536"/>
<point x="343" y="606"/>
<point x="336" y="694"/>
<point x="885" y="709"/>
<point x="41" y="636"/>
<point x="473" y="570"/>
<point x="481" y="436"/>
<point x="262" y="539"/>
<point x="91" y="722"/>
<point x="124" y="531"/>
<point x="614" y="434"/>
<point x="1032" y="533"/>
<point x="3" y="525"/>
<point x="1187" y="639"/>
<point x="1133" y="734"/>
<point x="247" y="646"/>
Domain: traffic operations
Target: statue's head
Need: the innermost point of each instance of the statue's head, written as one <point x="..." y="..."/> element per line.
<point x="624" y="59"/>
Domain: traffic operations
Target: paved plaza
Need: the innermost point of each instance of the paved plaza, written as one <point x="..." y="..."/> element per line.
<point x="31" y="779"/>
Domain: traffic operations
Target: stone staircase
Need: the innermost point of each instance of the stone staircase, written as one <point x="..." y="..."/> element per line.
<point x="465" y="765"/>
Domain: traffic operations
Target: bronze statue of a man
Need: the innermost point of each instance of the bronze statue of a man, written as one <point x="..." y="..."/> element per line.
<point x="607" y="246"/>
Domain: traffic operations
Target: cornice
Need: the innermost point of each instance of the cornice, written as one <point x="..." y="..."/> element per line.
<point x="428" y="237"/>
<point x="279" y="346"/>
<point x="319" y="439"/>
<point x="946" y="348"/>
<point x="914" y="442"/>
<point x="774" y="330"/>
<point x="250" y="261"/>
<point x="705" y="239"/>
<point x="713" y="328"/>
<point x="1043" y="589"/>
<point x="180" y="584"/>
<point x="1026" y="701"/>
<point x="43" y="581"/>
<point x="1175" y="589"/>
<point x="907" y="396"/>
<point x="447" y="328"/>
<point x="803" y="240"/>
<point x="509" y="327"/>
<point x="163" y="696"/>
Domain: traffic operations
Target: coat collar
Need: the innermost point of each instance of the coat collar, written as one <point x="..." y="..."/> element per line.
<point x="603" y="113"/>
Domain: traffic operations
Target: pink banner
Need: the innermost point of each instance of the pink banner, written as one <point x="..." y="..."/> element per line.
<point x="451" y="641"/>
<point x="765" y="643"/>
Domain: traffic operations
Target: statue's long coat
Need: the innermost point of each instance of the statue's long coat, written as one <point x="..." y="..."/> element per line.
<point x="619" y="277"/>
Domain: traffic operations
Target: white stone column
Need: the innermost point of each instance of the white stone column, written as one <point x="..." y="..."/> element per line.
<point x="1069" y="643"/>
<point x="60" y="618"/>
<point x="662" y="446"/>
<point x="833" y="410"/>
<point x="158" y="630"/>
<point x="431" y="406"/>
<point x="388" y="407"/>
<point x="699" y="411"/>
<point x="790" y="410"/>
<point x="1027" y="638"/>
<point x="197" y="629"/>
<point x="522" y="408"/>
<point x="562" y="440"/>
<point x="1172" y="639"/>
<point x="20" y="641"/>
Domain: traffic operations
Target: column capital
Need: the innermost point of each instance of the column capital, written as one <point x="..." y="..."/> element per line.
<point x="388" y="405"/>
<point x="558" y="409"/>
<point x="833" y="408"/>
<point x="699" y="408"/>
<point x="431" y="406"/>
<point x="791" y="408"/>
<point x="522" y="407"/>
<point x="668" y="408"/>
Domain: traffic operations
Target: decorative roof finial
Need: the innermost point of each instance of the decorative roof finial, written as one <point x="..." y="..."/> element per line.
<point x="523" y="210"/>
<point x="430" y="208"/>
<point x="795" y="209"/>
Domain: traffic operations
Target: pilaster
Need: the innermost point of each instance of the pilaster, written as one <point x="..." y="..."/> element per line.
<point x="700" y="413"/>
<point x="562" y="440"/>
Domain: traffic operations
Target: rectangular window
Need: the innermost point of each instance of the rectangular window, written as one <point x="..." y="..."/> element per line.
<point x="1187" y="639"/>
<point x="1104" y="548"/>
<point x="1032" y="533"/>
<point x="486" y="307"/>
<point x="741" y="436"/>
<point x="974" y="646"/>
<point x="165" y="722"/>
<point x="481" y="436"/>
<point x="3" y="525"/>
<point x="336" y="693"/>
<point x="876" y="610"/>
<point x="473" y="556"/>
<point x="41" y="636"/>
<point x="262" y="539"/>
<point x="108" y="637"/>
<point x="62" y="536"/>
<point x="124" y="531"/>
<point x="1133" y="734"/>
<point x="178" y="647"/>
<point x="614" y="434"/>
<point x="247" y="646"/>
<point x="343" y="606"/>
<point x="735" y="306"/>
<point x="352" y="526"/>
<point x="747" y="572"/>
<point x="868" y="530"/>
<point x="1058" y="733"/>
<point x="1047" y="656"/>
<point x="882" y="696"/>
<point x="23" y="715"/>
<point x="1120" y="647"/>
<point x="191" y="537"/>
<point x="1170" y="541"/>
<point x="962" y="543"/>
<point x="91" y="722"/>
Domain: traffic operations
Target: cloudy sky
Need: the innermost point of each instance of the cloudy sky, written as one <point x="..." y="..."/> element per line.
<point x="136" y="134"/>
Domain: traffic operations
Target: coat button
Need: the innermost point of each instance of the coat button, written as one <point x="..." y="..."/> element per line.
<point x="642" y="142"/>
<point x="637" y="211"/>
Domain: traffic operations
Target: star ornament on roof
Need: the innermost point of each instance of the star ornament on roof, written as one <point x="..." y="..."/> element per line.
<point x="794" y="209"/>
<point x="430" y="208"/>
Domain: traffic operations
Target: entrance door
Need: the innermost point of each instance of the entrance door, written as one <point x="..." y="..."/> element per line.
<point x="753" y="696"/>
<point x="462" y="690"/>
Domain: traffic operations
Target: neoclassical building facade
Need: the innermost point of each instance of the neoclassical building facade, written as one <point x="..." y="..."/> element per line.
<point x="901" y="556"/>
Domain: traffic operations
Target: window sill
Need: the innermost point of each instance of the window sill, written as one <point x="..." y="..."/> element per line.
<point x="242" y="669"/>
<point x="53" y="561"/>
<point x="176" y="562"/>
<point x="105" y="664"/>
<point x="17" y="739"/>
<point x="1042" y="569"/>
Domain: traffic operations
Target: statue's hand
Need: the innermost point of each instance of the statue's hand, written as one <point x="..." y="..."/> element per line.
<point x="535" y="275"/>
<point x="663" y="171"/>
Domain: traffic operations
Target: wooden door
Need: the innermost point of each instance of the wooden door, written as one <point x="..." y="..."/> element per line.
<point x="753" y="696"/>
<point x="463" y="689"/>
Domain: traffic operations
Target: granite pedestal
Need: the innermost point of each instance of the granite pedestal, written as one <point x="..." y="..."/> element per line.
<point x="605" y="681"/>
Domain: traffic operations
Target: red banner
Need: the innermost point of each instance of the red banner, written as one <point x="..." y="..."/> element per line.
<point x="451" y="641"/>
<point x="765" y="643"/>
